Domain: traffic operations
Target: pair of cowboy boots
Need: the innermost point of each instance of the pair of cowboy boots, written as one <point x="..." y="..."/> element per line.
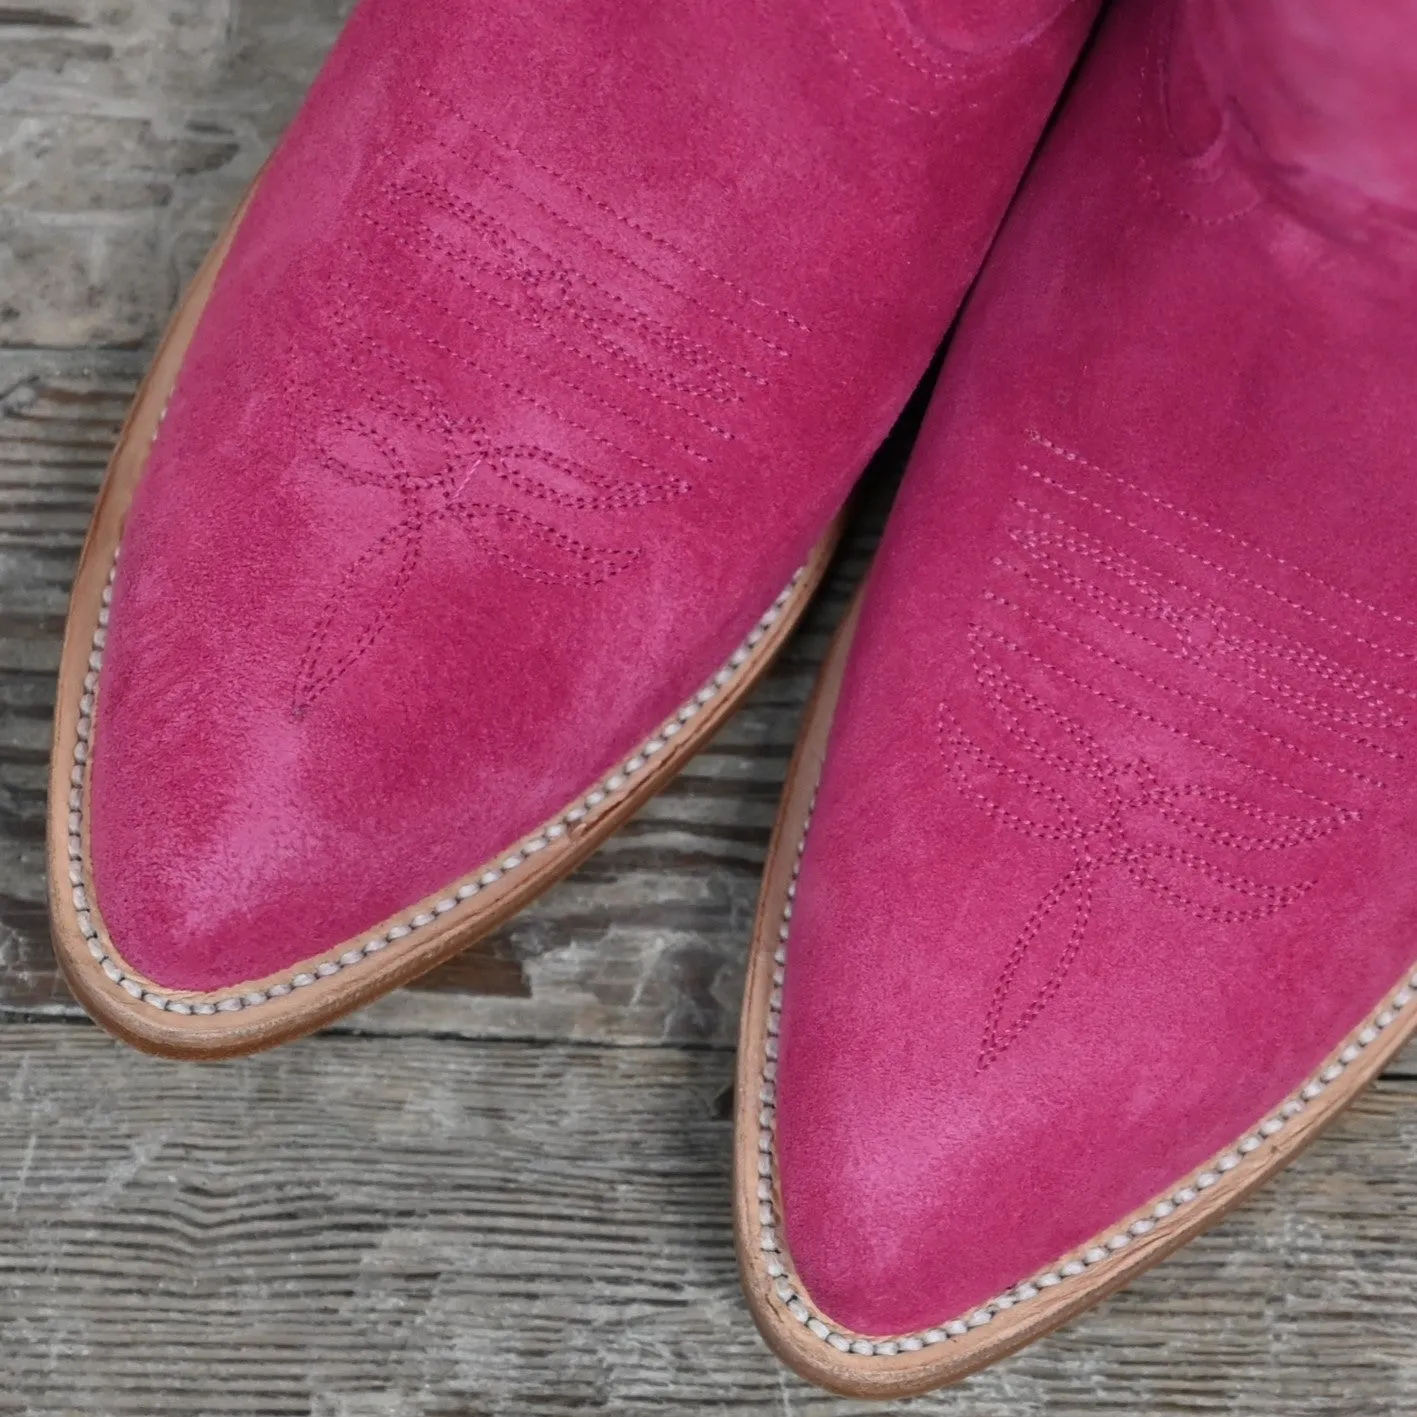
<point x="505" y="435"/>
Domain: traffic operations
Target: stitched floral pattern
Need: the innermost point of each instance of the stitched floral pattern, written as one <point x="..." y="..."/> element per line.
<point x="1113" y="616"/>
<point x="442" y="481"/>
<point x="1225" y="1169"/>
<point x="598" y="800"/>
<point x="531" y="300"/>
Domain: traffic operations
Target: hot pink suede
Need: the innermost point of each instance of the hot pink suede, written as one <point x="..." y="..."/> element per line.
<point x="1116" y="834"/>
<point x="553" y="340"/>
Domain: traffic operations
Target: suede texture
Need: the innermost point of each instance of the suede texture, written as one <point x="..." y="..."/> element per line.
<point x="553" y="340"/>
<point x="1115" y="836"/>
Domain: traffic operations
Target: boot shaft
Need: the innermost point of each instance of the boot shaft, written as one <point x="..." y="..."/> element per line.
<point x="1322" y="97"/>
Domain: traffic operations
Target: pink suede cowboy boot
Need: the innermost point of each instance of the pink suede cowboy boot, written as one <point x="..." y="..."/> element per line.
<point x="489" y="459"/>
<point x="1107" y="901"/>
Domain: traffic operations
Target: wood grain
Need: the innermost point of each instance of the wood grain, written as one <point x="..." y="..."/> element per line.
<point x="350" y="1227"/>
<point x="128" y="131"/>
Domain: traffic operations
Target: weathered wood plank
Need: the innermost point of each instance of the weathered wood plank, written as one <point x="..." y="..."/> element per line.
<point x="644" y="944"/>
<point x="128" y="130"/>
<point x="351" y="1227"/>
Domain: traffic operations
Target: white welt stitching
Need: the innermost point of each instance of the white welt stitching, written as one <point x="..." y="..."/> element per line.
<point x="795" y="1301"/>
<point x="459" y="891"/>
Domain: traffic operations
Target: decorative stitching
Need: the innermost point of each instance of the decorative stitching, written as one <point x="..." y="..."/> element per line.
<point x="482" y="371"/>
<point x="563" y="278"/>
<point x="467" y="322"/>
<point x="426" y="242"/>
<point x="930" y="47"/>
<point x="576" y="229"/>
<point x="1143" y="579"/>
<point x="1079" y="461"/>
<point x="1198" y="700"/>
<point x="344" y="323"/>
<point x="791" y="1296"/>
<point x="1305" y="707"/>
<point x="1215" y="566"/>
<point x="1078" y="882"/>
<point x="1130" y="790"/>
<point x="925" y="58"/>
<point x="187" y="1002"/>
<point x="875" y="89"/>
<point x="1064" y="788"/>
<point x="937" y="72"/>
<point x="315" y="674"/>
<point x="607" y="210"/>
<point x="1176" y="209"/>
<point x="1140" y="713"/>
<point x="431" y="498"/>
<point x="1271" y="898"/>
<point x="409" y="534"/>
<point x="1115" y="831"/>
<point x="614" y="493"/>
<point x="1289" y="830"/>
<point x="1154" y="68"/>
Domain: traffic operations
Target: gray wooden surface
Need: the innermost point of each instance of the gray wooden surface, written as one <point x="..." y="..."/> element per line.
<point x="505" y="1191"/>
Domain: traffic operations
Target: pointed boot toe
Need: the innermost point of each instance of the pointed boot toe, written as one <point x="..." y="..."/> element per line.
<point x="1092" y="900"/>
<point x="490" y="458"/>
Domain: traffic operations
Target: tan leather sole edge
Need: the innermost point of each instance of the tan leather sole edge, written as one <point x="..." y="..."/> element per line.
<point x="904" y="1365"/>
<point x="261" y="1013"/>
